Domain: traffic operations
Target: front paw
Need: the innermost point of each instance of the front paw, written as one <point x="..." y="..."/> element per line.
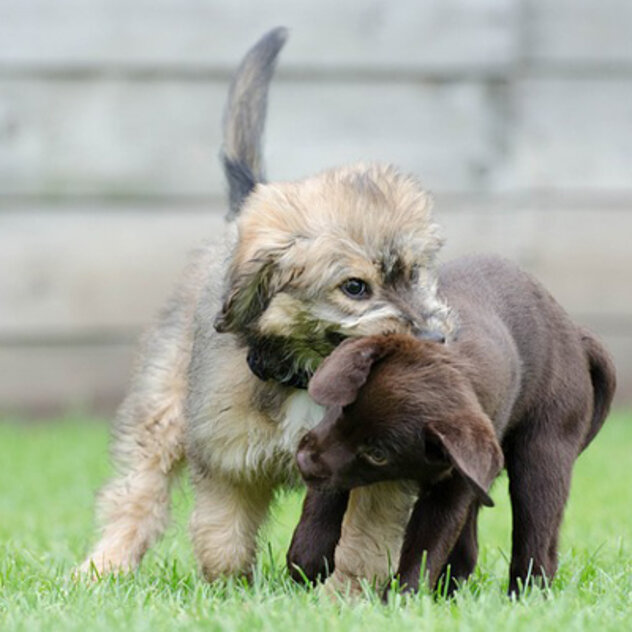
<point x="406" y="585"/>
<point x="306" y="567"/>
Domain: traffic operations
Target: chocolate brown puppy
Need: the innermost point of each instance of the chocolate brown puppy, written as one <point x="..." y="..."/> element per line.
<point x="519" y="383"/>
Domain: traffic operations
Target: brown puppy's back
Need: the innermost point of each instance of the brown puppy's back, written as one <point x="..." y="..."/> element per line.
<point x="525" y="351"/>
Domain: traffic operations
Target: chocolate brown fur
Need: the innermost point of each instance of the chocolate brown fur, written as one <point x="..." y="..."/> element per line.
<point x="519" y="381"/>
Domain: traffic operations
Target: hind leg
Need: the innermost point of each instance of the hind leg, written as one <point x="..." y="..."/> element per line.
<point x="539" y="467"/>
<point x="134" y="506"/>
<point x="149" y="431"/>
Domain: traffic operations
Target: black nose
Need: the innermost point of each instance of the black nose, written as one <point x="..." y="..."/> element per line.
<point x="426" y="334"/>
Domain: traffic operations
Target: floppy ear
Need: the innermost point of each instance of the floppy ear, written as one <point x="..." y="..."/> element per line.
<point x="342" y="374"/>
<point x="248" y="296"/>
<point x="470" y="444"/>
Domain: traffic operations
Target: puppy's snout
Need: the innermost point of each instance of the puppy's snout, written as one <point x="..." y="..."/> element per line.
<point x="427" y="334"/>
<point x="313" y="469"/>
<point x="416" y="329"/>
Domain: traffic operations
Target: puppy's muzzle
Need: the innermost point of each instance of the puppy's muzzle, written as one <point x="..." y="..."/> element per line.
<point x="421" y="331"/>
<point x="310" y="464"/>
<point x="425" y="334"/>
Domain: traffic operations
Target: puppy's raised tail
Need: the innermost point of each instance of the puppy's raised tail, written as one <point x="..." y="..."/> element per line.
<point x="604" y="382"/>
<point x="244" y="118"/>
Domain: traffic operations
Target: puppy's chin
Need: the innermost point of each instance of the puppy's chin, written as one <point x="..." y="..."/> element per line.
<point x="288" y="361"/>
<point x="339" y="484"/>
<point x="324" y="484"/>
<point x="267" y="363"/>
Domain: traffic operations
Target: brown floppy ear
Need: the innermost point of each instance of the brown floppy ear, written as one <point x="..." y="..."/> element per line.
<point x="342" y="374"/>
<point x="470" y="444"/>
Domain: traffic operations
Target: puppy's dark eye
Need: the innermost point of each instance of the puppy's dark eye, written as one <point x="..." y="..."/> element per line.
<point x="356" y="288"/>
<point x="375" y="456"/>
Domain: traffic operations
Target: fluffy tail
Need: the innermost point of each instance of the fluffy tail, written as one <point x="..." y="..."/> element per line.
<point x="604" y="382"/>
<point x="244" y="118"/>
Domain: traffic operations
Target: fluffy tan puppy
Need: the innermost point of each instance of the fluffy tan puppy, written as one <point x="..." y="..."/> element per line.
<point x="220" y="378"/>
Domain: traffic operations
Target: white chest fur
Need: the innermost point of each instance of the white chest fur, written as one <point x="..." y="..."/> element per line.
<point x="241" y="442"/>
<point x="302" y="413"/>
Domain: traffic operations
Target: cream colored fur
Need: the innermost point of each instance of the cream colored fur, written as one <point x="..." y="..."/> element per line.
<point x="192" y="391"/>
<point x="372" y="536"/>
<point x="271" y="287"/>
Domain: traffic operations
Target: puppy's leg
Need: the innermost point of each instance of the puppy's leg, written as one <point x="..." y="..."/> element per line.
<point x="317" y="534"/>
<point x="134" y="506"/>
<point x="372" y="534"/>
<point x="464" y="555"/>
<point x="225" y="522"/>
<point x="539" y="468"/>
<point x="149" y="431"/>
<point x="434" y="527"/>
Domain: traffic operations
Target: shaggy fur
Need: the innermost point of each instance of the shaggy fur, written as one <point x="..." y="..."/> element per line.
<point x="217" y="376"/>
<point x="518" y="374"/>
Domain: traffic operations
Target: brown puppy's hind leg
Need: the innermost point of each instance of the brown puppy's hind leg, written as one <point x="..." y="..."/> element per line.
<point x="316" y="536"/>
<point x="539" y="467"/>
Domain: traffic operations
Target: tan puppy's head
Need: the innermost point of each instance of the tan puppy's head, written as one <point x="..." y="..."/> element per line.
<point x="349" y="252"/>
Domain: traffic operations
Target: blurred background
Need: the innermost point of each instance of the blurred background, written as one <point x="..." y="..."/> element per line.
<point x="517" y="114"/>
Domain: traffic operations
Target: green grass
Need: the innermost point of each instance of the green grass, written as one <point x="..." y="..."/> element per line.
<point x="49" y="473"/>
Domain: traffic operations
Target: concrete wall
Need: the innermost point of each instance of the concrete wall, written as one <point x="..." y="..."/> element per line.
<point x="517" y="114"/>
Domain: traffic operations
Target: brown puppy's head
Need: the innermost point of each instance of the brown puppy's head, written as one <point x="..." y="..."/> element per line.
<point x="397" y="408"/>
<point x="350" y="252"/>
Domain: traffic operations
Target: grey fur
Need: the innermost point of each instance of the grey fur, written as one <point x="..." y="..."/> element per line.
<point x="244" y="118"/>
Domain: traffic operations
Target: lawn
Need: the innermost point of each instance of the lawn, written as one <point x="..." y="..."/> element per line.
<point x="50" y="472"/>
